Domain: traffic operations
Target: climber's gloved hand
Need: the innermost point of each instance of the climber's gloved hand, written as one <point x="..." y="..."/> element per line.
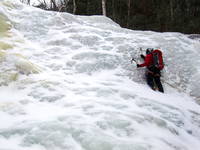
<point x="138" y="65"/>
<point x="142" y="56"/>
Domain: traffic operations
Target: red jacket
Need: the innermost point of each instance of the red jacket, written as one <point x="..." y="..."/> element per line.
<point x="148" y="61"/>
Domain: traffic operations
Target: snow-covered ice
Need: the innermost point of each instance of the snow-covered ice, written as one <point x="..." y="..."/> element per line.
<point x="67" y="84"/>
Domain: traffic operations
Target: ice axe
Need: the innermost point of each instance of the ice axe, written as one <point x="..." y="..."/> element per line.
<point x="141" y="50"/>
<point x="133" y="59"/>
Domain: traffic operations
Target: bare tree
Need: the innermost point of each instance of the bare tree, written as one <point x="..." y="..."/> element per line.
<point x="113" y="10"/>
<point x="104" y="7"/>
<point x="53" y="5"/>
<point x="129" y="10"/>
<point x="74" y="6"/>
<point x="171" y="10"/>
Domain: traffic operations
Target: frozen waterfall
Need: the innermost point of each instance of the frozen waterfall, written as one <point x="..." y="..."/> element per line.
<point x="67" y="84"/>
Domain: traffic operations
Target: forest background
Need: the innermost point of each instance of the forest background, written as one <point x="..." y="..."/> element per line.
<point x="155" y="15"/>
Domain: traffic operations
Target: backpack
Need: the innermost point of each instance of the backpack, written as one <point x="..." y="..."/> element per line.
<point x="157" y="59"/>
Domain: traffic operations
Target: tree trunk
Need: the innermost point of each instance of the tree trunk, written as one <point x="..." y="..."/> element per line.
<point x="88" y="7"/>
<point x="113" y="10"/>
<point x="104" y="7"/>
<point x="28" y="2"/>
<point x="54" y="4"/>
<point x="129" y="10"/>
<point x="171" y="10"/>
<point x="74" y="7"/>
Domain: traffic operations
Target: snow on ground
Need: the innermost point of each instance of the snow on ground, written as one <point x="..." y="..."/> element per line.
<point x="67" y="83"/>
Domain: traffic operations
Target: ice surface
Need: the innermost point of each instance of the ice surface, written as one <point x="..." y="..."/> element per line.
<point x="67" y="83"/>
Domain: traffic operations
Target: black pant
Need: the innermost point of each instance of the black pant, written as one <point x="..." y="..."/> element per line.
<point x="153" y="80"/>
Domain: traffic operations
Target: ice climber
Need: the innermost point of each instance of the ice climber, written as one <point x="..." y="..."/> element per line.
<point x="154" y="64"/>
